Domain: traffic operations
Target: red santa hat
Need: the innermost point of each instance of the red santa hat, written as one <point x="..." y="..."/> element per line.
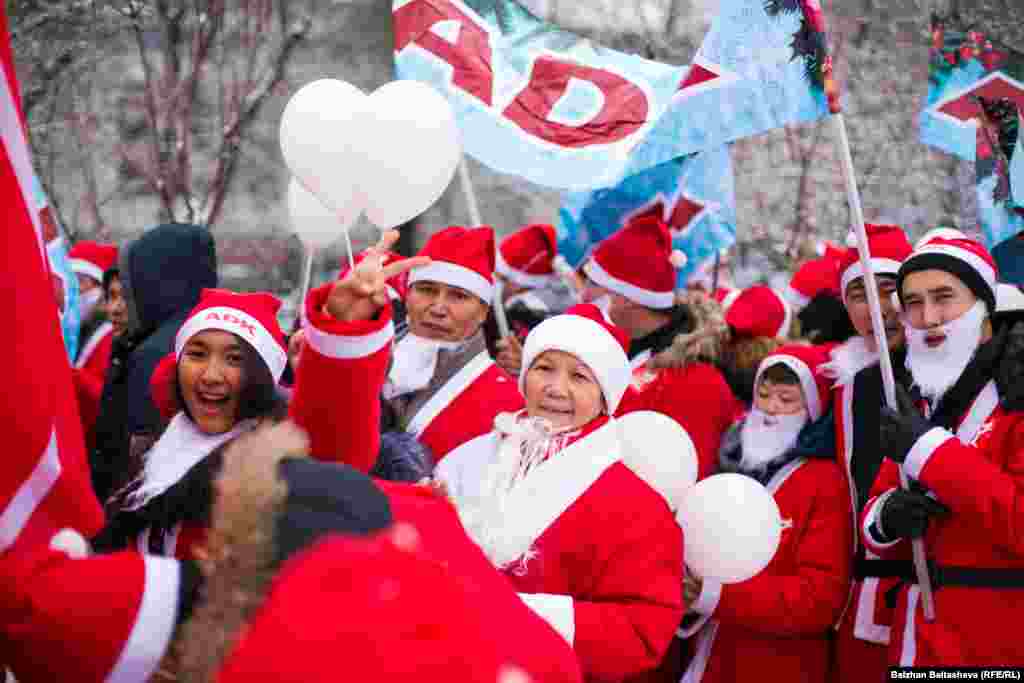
<point x="586" y="333"/>
<point x="92" y="259"/>
<point x="462" y="258"/>
<point x="759" y="311"/>
<point x="397" y="286"/>
<point x="252" y="317"/>
<point x="888" y="245"/>
<point x="966" y="259"/>
<point x="638" y="262"/>
<point x="812" y="278"/>
<point x="384" y="611"/>
<point x="945" y="233"/>
<point x="527" y="256"/>
<point x="806" y="362"/>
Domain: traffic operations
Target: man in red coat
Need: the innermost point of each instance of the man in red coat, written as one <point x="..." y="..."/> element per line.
<point x="442" y="385"/>
<point x="864" y="631"/>
<point x="637" y="268"/>
<point x="777" y="623"/>
<point x="959" y="436"/>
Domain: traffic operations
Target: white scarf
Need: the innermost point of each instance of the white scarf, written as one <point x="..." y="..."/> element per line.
<point x="765" y="437"/>
<point x="936" y="370"/>
<point x="525" y="444"/>
<point x="847" y="360"/>
<point x="413" y="363"/>
<point x="179" y="449"/>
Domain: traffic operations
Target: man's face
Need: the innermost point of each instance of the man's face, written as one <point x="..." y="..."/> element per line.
<point x="86" y="284"/>
<point x="115" y="307"/>
<point x="932" y="298"/>
<point x="444" y="313"/>
<point x="856" y="300"/>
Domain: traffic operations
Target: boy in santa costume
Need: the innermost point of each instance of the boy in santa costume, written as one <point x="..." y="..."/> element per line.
<point x="778" y="623"/>
<point x="545" y="493"/>
<point x="636" y="266"/>
<point x="528" y="268"/>
<point x="442" y="386"/>
<point x="865" y="629"/>
<point x="959" y="436"/>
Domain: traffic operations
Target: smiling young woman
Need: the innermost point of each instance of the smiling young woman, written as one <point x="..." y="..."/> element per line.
<point x="220" y="382"/>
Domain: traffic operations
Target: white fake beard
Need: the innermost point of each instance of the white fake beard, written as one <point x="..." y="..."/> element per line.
<point x="413" y="363"/>
<point x="488" y="520"/>
<point x="847" y="360"/>
<point x="936" y="370"/>
<point x="87" y="302"/>
<point x="765" y="437"/>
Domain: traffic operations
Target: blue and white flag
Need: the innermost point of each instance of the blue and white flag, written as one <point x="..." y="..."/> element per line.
<point x="559" y="110"/>
<point x="694" y="195"/>
<point x="64" y="281"/>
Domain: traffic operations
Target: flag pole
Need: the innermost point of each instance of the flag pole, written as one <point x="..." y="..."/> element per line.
<point x="474" y="216"/>
<point x="888" y="379"/>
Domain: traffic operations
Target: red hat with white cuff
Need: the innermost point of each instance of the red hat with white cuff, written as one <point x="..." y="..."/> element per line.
<point x="92" y="259"/>
<point x="527" y="256"/>
<point x="460" y="257"/>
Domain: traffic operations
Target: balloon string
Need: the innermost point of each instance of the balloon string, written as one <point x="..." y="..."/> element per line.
<point x="348" y="246"/>
<point x="307" y="275"/>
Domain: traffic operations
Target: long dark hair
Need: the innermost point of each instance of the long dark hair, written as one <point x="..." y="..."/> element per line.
<point x="259" y="396"/>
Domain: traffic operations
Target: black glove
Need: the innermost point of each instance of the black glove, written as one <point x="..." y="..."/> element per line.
<point x="325" y="498"/>
<point x="905" y="514"/>
<point x="900" y="430"/>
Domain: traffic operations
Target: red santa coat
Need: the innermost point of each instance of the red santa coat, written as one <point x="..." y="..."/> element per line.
<point x="696" y="396"/>
<point x="979" y="474"/>
<point x="613" y="589"/>
<point x="106" y="618"/>
<point x="465" y="406"/>
<point x="864" y="630"/>
<point x="338" y="383"/>
<point x="778" y="622"/>
<point x="89" y="373"/>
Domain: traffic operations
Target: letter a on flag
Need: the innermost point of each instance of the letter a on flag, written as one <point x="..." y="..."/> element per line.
<point x="44" y="481"/>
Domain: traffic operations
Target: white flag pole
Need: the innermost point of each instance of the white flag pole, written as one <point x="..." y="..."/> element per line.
<point x="888" y="379"/>
<point x="474" y="217"/>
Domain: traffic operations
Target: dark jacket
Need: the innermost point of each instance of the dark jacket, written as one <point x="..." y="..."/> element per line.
<point x="162" y="274"/>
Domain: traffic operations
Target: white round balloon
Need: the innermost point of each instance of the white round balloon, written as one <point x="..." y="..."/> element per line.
<point x="731" y="527"/>
<point x="660" y="452"/>
<point x="410" y="148"/>
<point x="315" y="224"/>
<point x="319" y="128"/>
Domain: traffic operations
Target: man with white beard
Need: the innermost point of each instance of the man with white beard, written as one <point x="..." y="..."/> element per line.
<point x="779" y="621"/>
<point x="959" y="435"/>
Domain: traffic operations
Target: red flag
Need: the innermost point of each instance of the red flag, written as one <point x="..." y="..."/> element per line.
<point x="44" y="475"/>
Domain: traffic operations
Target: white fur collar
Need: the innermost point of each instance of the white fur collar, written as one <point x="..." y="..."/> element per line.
<point x="179" y="449"/>
<point x="847" y="360"/>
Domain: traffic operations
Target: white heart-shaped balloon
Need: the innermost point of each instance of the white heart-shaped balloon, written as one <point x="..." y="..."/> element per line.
<point x="319" y="131"/>
<point x="410" y="148"/>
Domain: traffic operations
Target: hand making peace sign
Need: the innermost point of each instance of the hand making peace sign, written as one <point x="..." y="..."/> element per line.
<point x="362" y="293"/>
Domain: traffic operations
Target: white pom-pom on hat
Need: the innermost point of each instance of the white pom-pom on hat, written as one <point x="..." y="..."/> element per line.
<point x="677" y="259"/>
<point x="70" y="542"/>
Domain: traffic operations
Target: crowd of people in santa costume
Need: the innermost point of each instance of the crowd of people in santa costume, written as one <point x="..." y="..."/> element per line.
<point x="396" y="489"/>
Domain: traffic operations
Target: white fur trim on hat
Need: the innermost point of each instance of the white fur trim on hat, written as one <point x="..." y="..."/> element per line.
<point x="987" y="273"/>
<point x="942" y="233"/>
<point x="787" y="317"/>
<point x="456" y="276"/>
<point x="730" y="298"/>
<point x="807" y="383"/>
<point x="586" y="339"/>
<point x="237" y="322"/>
<point x="644" y="297"/>
<point x="1008" y="298"/>
<point x="520" y="277"/>
<point x="880" y="266"/>
<point x="88" y="268"/>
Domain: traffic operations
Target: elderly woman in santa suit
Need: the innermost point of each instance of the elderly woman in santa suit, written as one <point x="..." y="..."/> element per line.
<point x="588" y="544"/>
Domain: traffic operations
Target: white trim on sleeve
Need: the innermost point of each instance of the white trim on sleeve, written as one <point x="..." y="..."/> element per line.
<point x="922" y="450"/>
<point x="872" y="516"/>
<point x="154" y="624"/>
<point x="557" y="610"/>
<point x="348" y="347"/>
